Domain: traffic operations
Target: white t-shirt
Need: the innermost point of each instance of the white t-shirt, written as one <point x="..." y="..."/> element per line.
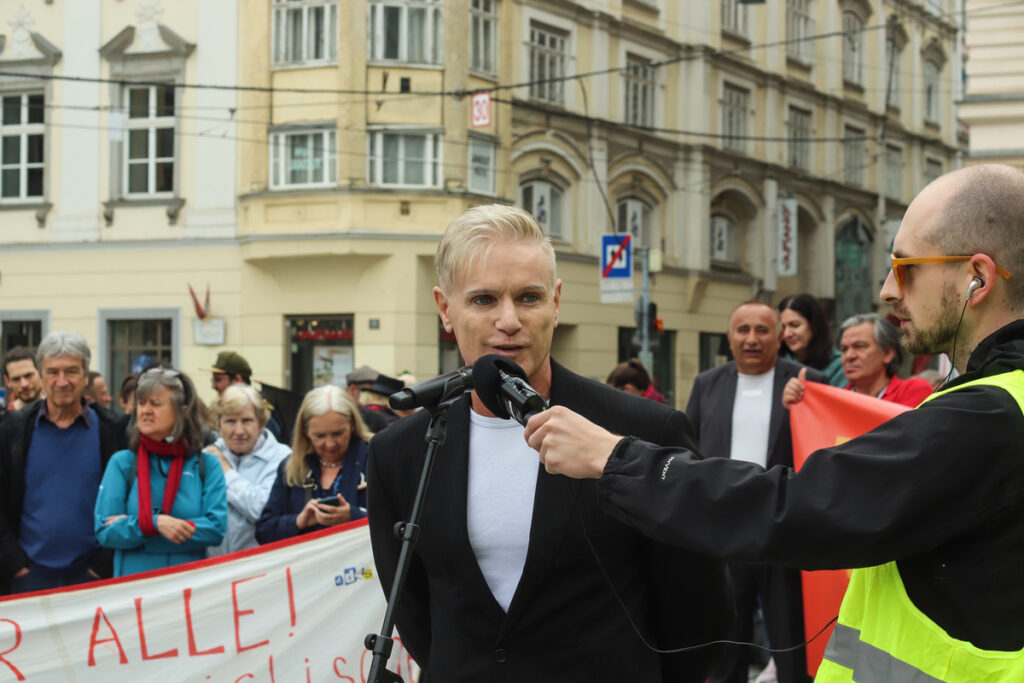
<point x="502" y="483"/>
<point x="751" y="417"/>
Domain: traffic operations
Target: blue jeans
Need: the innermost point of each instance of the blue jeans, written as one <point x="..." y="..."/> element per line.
<point x="35" y="581"/>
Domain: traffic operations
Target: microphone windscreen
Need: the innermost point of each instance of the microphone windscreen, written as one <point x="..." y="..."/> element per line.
<point x="487" y="379"/>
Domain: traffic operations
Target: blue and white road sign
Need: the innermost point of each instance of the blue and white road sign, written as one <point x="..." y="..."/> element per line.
<point x="616" y="268"/>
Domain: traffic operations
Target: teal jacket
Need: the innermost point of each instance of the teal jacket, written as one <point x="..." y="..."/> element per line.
<point x="833" y="370"/>
<point x="200" y="500"/>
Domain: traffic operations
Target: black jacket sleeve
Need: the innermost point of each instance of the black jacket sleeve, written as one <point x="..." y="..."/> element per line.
<point x="12" y="558"/>
<point x="917" y="480"/>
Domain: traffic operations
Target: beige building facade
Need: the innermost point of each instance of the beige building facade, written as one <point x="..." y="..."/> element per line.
<point x="993" y="102"/>
<point x="311" y="198"/>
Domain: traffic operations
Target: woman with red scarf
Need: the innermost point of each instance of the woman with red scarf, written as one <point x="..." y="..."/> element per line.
<point x="159" y="503"/>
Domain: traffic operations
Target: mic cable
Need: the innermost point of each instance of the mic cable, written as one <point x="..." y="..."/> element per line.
<point x="689" y="648"/>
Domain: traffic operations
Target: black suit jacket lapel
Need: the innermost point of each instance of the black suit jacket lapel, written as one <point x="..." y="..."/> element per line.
<point x="449" y="492"/>
<point x="553" y="507"/>
<point x="716" y="422"/>
<point x="779" y="415"/>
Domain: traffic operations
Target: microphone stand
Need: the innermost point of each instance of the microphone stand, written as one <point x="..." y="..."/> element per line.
<point x="382" y="643"/>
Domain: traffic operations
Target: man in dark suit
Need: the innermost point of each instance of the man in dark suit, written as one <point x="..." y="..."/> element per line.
<point x="52" y="456"/>
<point x="736" y="411"/>
<point x="516" y="574"/>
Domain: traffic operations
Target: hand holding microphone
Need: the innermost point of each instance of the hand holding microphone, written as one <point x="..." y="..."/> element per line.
<point x="568" y="443"/>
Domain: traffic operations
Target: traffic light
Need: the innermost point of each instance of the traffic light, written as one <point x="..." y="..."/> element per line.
<point x="656" y="323"/>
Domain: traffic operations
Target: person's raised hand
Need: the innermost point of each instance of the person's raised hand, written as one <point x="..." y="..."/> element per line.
<point x="794" y="390"/>
<point x="570" y="444"/>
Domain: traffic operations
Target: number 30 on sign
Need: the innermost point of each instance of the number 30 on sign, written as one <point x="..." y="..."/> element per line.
<point x="481" y="112"/>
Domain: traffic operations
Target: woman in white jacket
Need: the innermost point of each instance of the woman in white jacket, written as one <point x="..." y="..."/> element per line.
<point x="249" y="455"/>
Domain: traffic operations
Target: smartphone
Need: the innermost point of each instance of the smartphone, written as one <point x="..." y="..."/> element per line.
<point x="329" y="500"/>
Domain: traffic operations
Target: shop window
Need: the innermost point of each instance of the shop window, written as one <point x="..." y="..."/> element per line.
<point x="320" y="350"/>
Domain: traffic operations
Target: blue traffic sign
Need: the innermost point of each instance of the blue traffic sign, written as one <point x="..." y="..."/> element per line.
<point x="617" y="255"/>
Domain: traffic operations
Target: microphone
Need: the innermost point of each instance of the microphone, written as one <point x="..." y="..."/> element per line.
<point x="431" y="392"/>
<point x="502" y="387"/>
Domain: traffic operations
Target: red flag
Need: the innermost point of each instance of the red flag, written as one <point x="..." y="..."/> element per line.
<point x="828" y="416"/>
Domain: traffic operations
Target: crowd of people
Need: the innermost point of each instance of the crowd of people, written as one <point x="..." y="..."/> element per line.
<point x="167" y="480"/>
<point x="628" y="548"/>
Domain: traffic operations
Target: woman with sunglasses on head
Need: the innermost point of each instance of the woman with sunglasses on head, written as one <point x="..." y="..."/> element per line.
<point x="163" y="502"/>
<point x="323" y="482"/>
<point x="807" y="337"/>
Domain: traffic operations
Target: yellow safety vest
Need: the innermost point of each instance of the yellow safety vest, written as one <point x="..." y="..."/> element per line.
<point x="881" y="637"/>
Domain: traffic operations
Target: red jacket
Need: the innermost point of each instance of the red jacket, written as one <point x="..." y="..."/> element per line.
<point x="908" y="392"/>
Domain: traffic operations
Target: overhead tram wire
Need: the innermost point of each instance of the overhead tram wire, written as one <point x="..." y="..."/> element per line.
<point x="699" y="53"/>
<point x="366" y="93"/>
<point x="438" y="93"/>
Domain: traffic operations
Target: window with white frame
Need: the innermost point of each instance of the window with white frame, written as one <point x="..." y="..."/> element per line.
<point x="639" y="106"/>
<point x="406" y="31"/>
<point x="305" y="31"/>
<point x="482" y="156"/>
<point x="931" y="90"/>
<point x="635" y="218"/>
<point x="799" y="29"/>
<point x="932" y="170"/>
<point x="149" y="154"/>
<point x="854" y="157"/>
<point x="544" y="201"/>
<point x="483" y="36"/>
<point x="799" y="134"/>
<point x="893" y="171"/>
<point x="734" y="16"/>
<point x="853" y="48"/>
<point x="723" y="239"/>
<point x="547" y="61"/>
<point x="735" y="108"/>
<point x="404" y="158"/>
<point x="894" y="74"/>
<point x="21" y="146"/>
<point x="303" y="158"/>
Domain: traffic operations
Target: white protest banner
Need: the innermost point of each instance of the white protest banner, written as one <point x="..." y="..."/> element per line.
<point x="296" y="610"/>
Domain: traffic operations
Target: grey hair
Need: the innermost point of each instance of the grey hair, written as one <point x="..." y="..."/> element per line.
<point x="64" y="343"/>
<point x="886" y="336"/>
<point x="188" y="425"/>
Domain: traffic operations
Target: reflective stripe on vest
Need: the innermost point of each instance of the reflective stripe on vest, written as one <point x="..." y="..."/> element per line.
<point x="883" y="637"/>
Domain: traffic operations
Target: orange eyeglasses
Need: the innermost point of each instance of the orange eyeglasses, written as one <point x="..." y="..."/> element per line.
<point x="899" y="265"/>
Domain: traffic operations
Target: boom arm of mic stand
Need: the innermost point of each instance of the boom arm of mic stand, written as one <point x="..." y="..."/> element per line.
<point x="382" y="643"/>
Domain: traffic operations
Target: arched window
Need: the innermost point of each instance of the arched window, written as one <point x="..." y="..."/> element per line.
<point x="894" y="77"/>
<point x="544" y="201"/>
<point x="635" y="217"/>
<point x="853" y="47"/>
<point x="931" y="90"/>
<point x="854" y="289"/>
<point x="723" y="240"/>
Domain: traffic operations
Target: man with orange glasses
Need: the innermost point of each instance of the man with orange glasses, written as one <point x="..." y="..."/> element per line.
<point x="929" y="506"/>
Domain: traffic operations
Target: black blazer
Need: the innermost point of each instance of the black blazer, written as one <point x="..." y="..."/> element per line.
<point x="563" y="623"/>
<point x="710" y="411"/>
<point x="15" y="438"/>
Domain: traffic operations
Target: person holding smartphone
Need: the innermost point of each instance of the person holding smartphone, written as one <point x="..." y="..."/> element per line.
<point x="323" y="482"/>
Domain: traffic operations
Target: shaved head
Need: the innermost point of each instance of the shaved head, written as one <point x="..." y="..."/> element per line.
<point x="981" y="210"/>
